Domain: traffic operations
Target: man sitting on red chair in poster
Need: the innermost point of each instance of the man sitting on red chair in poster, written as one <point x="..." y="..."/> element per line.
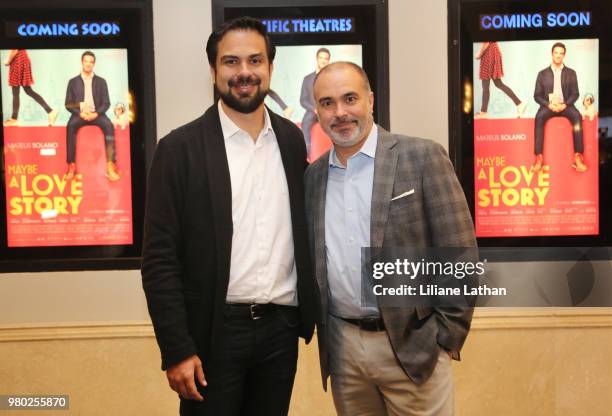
<point x="556" y="91"/>
<point x="87" y="99"/>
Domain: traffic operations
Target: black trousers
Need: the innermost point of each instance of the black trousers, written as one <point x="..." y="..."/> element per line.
<point x="35" y="96"/>
<point x="102" y="121"/>
<point x="486" y="93"/>
<point x="544" y="114"/>
<point x="309" y="119"/>
<point x="254" y="373"/>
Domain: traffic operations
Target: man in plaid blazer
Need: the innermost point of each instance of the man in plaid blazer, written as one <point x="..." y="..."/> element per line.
<point x="378" y="189"/>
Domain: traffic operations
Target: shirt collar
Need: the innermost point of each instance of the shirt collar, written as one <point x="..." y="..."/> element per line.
<point x="229" y="128"/>
<point x="85" y="77"/>
<point x="560" y="68"/>
<point x="368" y="148"/>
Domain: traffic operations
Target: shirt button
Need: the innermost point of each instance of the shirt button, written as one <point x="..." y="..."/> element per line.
<point x="350" y="210"/>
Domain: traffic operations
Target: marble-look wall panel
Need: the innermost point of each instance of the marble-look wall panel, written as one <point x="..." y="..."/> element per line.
<point x="562" y="369"/>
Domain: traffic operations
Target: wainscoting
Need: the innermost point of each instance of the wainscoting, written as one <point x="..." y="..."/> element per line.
<point x="515" y="362"/>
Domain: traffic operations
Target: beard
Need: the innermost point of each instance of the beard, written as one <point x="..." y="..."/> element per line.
<point x="346" y="140"/>
<point x="243" y="103"/>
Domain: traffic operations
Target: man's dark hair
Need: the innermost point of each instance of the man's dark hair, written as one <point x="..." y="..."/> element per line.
<point x="323" y="50"/>
<point x="557" y="45"/>
<point x="239" y="23"/>
<point x="88" y="53"/>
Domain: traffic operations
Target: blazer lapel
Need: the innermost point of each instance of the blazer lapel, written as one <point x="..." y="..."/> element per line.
<point x="565" y="85"/>
<point x="318" y="214"/>
<point x="220" y="186"/>
<point x="385" y="164"/>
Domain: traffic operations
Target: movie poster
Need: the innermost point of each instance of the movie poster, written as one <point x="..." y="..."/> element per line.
<point x="291" y="90"/>
<point x="66" y="147"/>
<point x="535" y="138"/>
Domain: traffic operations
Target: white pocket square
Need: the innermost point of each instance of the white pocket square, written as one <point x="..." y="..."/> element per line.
<point x="410" y="192"/>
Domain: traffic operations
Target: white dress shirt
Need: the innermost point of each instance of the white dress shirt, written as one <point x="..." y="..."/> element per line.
<point x="557" y="90"/>
<point x="262" y="266"/>
<point x="88" y="100"/>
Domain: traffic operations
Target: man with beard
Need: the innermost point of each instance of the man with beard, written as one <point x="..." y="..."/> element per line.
<point x="377" y="189"/>
<point x="226" y="267"/>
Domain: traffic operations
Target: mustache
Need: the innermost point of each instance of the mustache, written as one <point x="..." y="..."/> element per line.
<point x="342" y="120"/>
<point x="242" y="80"/>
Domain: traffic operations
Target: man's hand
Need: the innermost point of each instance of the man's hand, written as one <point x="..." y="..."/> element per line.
<point x="181" y="378"/>
<point x="87" y="116"/>
<point x="557" y="107"/>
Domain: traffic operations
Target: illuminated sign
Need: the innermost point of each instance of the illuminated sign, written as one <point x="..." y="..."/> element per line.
<point x="65" y="29"/>
<point x="534" y="20"/>
<point x="315" y="25"/>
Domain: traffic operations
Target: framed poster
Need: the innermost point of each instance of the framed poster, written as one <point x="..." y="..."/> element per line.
<point x="529" y="111"/>
<point x="78" y="129"/>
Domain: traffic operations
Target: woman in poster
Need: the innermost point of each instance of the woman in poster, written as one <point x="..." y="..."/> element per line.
<point x="492" y="68"/>
<point x="20" y="75"/>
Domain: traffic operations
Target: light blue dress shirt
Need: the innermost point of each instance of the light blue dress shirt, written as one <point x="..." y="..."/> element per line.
<point x="347" y="227"/>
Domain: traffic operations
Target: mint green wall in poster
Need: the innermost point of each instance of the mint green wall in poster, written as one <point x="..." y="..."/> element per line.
<point x="51" y="70"/>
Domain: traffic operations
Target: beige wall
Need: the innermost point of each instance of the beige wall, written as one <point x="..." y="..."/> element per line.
<point x="515" y="362"/>
<point x="86" y="333"/>
<point x="418" y="68"/>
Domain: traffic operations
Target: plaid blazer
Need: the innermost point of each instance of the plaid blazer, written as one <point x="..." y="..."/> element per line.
<point x="435" y="215"/>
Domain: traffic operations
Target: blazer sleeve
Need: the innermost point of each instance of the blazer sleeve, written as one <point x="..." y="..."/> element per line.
<point x="161" y="266"/>
<point x="103" y="103"/>
<point x="72" y="102"/>
<point x="450" y="225"/>
<point x="574" y="94"/>
<point x="539" y="94"/>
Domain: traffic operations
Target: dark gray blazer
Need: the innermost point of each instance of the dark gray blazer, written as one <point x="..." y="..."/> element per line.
<point x="545" y="85"/>
<point x="75" y="94"/>
<point x="435" y="215"/>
